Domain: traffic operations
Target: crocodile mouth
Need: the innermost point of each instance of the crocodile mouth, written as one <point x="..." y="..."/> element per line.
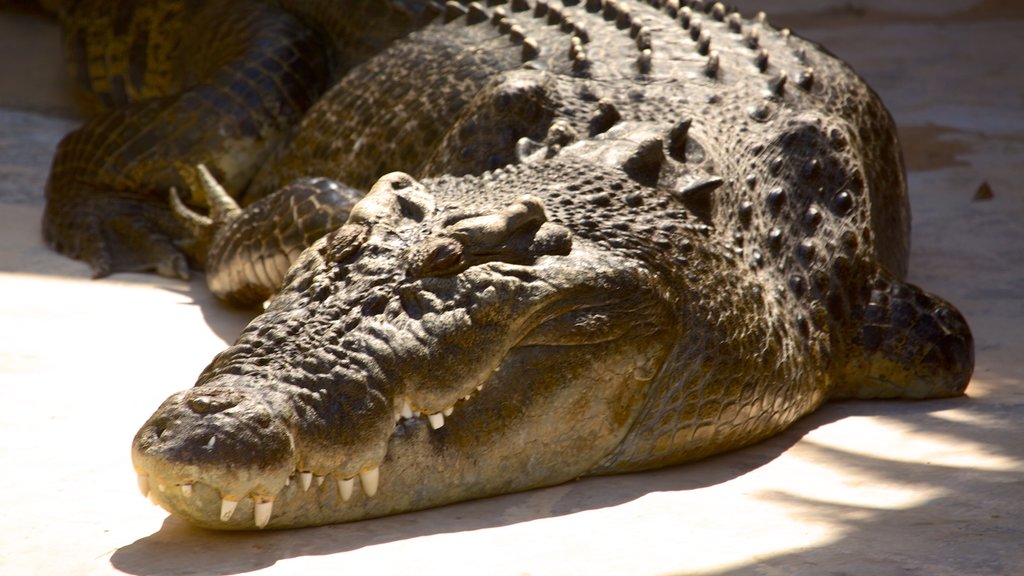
<point x="243" y="465"/>
<point x="292" y="494"/>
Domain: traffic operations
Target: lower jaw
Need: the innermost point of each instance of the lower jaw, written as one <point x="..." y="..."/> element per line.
<point x="323" y="502"/>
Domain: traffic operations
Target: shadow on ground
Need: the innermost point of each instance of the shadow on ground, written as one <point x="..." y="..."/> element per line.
<point x="891" y="533"/>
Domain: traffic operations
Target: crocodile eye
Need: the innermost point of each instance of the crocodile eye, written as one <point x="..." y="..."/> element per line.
<point x="439" y="256"/>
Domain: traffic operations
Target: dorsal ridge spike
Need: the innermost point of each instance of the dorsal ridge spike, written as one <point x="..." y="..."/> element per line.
<point x="761" y="60"/>
<point x="677" y="139"/>
<point x="643" y="61"/>
<point x="516" y="34"/>
<point x="576" y="48"/>
<point x="604" y="117"/>
<point x="644" y="164"/>
<point x="643" y="39"/>
<point x="704" y="43"/>
<point x="624" y="19"/>
<point x="531" y="49"/>
<point x="712" y="65"/>
<point x="806" y="79"/>
<point x="453" y="11"/>
<point x="685" y="17"/>
<point x="555" y="15"/>
<point x="476" y="14"/>
<point x="672" y="8"/>
<point x="777" y="85"/>
<point x="752" y="38"/>
<point x="698" y="196"/>
<point x="735" y="23"/>
<point x="718" y="11"/>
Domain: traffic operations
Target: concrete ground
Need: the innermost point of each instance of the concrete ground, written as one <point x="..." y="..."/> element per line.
<point x="883" y="488"/>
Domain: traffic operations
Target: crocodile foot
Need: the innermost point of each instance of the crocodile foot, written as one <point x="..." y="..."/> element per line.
<point x="118" y="234"/>
<point x="246" y="252"/>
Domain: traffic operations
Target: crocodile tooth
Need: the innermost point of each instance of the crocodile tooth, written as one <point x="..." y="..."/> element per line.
<point x="307" y="479"/>
<point x="345" y="488"/>
<point x="186" y="490"/>
<point x="288" y="481"/>
<point x="448" y="411"/>
<point x="370" y="480"/>
<point x="406" y="408"/>
<point x="467" y="397"/>
<point x="143" y="480"/>
<point x="227" y="508"/>
<point x="480" y="387"/>
<point x="261" y="512"/>
<point x="319" y="480"/>
<point x="436" y="420"/>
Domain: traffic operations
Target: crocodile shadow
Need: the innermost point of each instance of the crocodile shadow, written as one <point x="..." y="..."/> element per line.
<point x="222" y="553"/>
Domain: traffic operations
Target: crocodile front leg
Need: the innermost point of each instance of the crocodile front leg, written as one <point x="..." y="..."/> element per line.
<point x="243" y="81"/>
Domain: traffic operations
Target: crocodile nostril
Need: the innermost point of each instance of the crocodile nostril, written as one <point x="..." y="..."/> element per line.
<point x="209" y="404"/>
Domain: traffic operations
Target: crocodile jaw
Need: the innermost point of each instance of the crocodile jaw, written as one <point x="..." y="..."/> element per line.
<point x="513" y="435"/>
<point x="569" y="348"/>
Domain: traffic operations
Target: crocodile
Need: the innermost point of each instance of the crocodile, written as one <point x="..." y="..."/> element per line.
<point x="505" y="244"/>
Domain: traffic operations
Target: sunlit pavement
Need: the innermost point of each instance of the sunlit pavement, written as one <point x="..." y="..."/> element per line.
<point x="883" y="488"/>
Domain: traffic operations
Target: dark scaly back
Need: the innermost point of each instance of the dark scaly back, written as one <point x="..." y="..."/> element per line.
<point x="809" y="158"/>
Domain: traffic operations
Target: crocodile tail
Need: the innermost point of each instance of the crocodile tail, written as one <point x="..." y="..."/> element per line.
<point x="911" y="344"/>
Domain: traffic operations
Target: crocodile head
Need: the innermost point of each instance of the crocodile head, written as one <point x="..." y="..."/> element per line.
<point x="419" y="355"/>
